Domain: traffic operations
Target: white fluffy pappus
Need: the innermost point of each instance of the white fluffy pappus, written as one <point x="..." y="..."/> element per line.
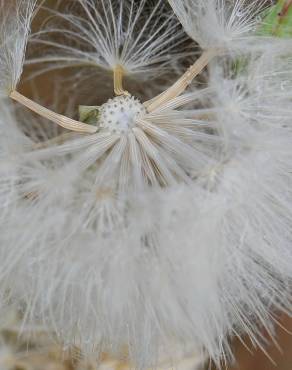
<point x="16" y="17"/>
<point x="141" y="37"/>
<point x="220" y="23"/>
<point x="167" y="230"/>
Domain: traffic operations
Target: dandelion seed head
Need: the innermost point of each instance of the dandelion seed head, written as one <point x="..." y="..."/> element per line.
<point x="170" y="225"/>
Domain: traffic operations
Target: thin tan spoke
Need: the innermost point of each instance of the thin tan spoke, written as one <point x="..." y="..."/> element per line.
<point x="59" y="119"/>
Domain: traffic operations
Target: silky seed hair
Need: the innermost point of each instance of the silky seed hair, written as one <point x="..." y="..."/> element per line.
<point x="144" y="38"/>
<point x="16" y="17"/>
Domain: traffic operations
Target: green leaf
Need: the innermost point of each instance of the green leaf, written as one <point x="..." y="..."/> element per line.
<point x="89" y="114"/>
<point x="277" y="20"/>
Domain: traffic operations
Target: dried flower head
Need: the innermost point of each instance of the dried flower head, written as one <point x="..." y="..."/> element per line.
<point x="159" y="226"/>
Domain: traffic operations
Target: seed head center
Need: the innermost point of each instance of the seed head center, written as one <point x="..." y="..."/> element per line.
<point x="119" y="114"/>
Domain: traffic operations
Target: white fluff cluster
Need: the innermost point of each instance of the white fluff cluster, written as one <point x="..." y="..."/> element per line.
<point x="165" y="231"/>
<point x="143" y="37"/>
<point x="15" y="19"/>
<point x="220" y="23"/>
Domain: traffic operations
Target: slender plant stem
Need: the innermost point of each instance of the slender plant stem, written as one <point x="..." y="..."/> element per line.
<point x="59" y="119"/>
<point x="118" y="81"/>
<point x="286" y="7"/>
<point x="180" y="86"/>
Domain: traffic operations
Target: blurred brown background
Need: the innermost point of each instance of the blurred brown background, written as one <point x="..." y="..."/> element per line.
<point x="258" y="360"/>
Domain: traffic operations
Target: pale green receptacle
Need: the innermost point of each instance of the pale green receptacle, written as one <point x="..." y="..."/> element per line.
<point x="89" y="114"/>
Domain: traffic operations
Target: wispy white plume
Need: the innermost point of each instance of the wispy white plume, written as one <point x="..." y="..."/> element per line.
<point x="15" y="24"/>
<point x="219" y="23"/>
<point x="141" y="37"/>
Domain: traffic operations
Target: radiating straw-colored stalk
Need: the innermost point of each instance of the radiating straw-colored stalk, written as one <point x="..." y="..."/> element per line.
<point x="118" y="81"/>
<point x="181" y="85"/>
<point x="59" y="119"/>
